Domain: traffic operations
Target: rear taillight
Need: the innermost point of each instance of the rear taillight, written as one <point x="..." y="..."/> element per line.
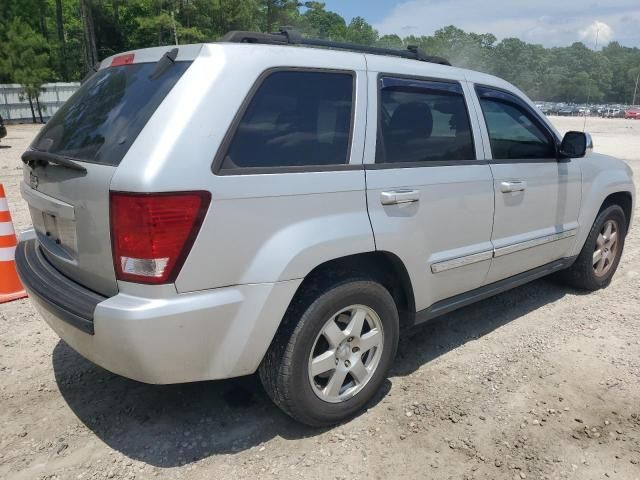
<point x="152" y="234"/>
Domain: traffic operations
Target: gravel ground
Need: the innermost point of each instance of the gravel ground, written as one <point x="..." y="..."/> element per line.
<point x="539" y="382"/>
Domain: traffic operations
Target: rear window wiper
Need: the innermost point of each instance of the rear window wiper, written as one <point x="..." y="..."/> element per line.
<point x="34" y="157"/>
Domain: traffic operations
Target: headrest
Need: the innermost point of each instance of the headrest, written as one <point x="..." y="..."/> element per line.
<point x="412" y="120"/>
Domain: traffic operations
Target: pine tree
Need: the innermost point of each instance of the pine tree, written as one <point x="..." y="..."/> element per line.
<point x="24" y="57"/>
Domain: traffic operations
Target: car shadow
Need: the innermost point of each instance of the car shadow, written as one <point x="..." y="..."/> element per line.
<point x="170" y="425"/>
<point x="5" y="146"/>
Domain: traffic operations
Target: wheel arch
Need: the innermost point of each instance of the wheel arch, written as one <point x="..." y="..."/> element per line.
<point x="381" y="266"/>
<point x="624" y="199"/>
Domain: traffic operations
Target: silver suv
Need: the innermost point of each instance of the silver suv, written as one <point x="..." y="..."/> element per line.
<point x="266" y="204"/>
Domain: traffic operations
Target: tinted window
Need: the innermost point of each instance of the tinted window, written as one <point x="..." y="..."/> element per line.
<point x="102" y="119"/>
<point x="423" y="121"/>
<point x="295" y="118"/>
<point x="514" y="133"/>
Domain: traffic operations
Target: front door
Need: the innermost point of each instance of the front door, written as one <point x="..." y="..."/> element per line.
<point x="429" y="192"/>
<point x="537" y="195"/>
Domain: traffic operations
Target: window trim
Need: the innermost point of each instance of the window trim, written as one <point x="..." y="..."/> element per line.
<point x="216" y="166"/>
<point x="517" y="102"/>
<point x="427" y="163"/>
<point x="435" y="163"/>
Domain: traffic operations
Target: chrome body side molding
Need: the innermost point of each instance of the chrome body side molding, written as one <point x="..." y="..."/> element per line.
<point x="467" y="298"/>
<point x="499" y="252"/>
<point x="536" y="242"/>
<point x="461" y="261"/>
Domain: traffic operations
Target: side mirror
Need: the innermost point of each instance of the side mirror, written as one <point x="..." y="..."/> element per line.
<point x="576" y="144"/>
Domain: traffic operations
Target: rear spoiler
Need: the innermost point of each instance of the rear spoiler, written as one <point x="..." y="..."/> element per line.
<point x="164" y="56"/>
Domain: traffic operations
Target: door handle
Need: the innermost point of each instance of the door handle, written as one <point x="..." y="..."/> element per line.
<point x="513" y="186"/>
<point x="396" y="197"/>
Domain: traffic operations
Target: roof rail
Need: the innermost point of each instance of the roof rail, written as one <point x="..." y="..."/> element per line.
<point x="290" y="36"/>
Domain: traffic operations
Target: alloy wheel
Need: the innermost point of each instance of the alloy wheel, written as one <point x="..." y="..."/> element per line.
<point x="606" y="248"/>
<point x="346" y="353"/>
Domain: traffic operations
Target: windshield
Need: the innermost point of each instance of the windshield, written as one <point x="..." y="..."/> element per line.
<point x="103" y="118"/>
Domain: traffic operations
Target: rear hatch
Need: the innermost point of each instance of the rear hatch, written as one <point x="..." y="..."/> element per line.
<point x="69" y="165"/>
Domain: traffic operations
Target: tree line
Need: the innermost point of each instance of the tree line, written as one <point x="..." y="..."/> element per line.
<point x="61" y="40"/>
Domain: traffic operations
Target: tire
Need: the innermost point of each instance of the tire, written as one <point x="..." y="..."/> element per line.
<point x="286" y="370"/>
<point x="582" y="274"/>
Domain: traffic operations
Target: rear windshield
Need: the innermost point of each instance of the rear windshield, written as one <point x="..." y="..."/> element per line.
<point x="103" y="118"/>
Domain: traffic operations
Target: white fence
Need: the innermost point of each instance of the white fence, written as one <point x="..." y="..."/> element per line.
<point x="14" y="104"/>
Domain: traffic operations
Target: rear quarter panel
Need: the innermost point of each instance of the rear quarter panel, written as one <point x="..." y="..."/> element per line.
<point x="259" y="228"/>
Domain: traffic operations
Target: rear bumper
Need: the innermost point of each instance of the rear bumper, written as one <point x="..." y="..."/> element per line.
<point x="206" y="335"/>
<point x="70" y="301"/>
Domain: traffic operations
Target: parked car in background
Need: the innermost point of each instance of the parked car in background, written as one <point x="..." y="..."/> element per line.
<point x="569" y="111"/>
<point x="301" y="207"/>
<point x="3" y="129"/>
<point x="544" y="108"/>
<point x="554" y="108"/>
<point x="613" y="112"/>
<point x="633" y="113"/>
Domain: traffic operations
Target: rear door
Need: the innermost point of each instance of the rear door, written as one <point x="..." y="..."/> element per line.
<point x="537" y="196"/>
<point x="94" y="129"/>
<point x="429" y="191"/>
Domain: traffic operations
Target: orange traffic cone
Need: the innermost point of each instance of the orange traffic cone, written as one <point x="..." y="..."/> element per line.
<point x="10" y="286"/>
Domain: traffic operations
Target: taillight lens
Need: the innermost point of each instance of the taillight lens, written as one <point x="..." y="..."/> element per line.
<point x="152" y="234"/>
<point x="126" y="59"/>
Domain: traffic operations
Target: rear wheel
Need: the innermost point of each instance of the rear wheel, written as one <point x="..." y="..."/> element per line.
<point x="332" y="353"/>
<point x="599" y="258"/>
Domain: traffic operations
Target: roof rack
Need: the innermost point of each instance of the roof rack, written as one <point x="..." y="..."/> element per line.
<point x="290" y="36"/>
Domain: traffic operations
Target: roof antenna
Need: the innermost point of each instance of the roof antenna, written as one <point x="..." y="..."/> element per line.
<point x="584" y="125"/>
<point x="175" y="30"/>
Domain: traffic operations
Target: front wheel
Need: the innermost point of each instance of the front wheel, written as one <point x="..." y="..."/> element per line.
<point x="333" y="353"/>
<point x="600" y="255"/>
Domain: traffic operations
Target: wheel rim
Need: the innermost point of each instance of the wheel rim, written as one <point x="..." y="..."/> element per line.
<point x="606" y="248"/>
<point x="346" y="353"/>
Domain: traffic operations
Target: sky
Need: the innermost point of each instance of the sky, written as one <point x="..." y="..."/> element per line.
<point x="548" y="22"/>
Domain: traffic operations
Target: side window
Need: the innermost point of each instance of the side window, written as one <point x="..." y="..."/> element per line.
<point x="514" y="133"/>
<point x="422" y="121"/>
<point x="294" y="119"/>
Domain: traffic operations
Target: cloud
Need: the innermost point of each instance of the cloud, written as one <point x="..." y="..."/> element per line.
<point x="549" y="22"/>
<point x="597" y="33"/>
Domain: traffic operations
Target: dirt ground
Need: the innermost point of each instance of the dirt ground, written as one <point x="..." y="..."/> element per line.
<point x="540" y="382"/>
